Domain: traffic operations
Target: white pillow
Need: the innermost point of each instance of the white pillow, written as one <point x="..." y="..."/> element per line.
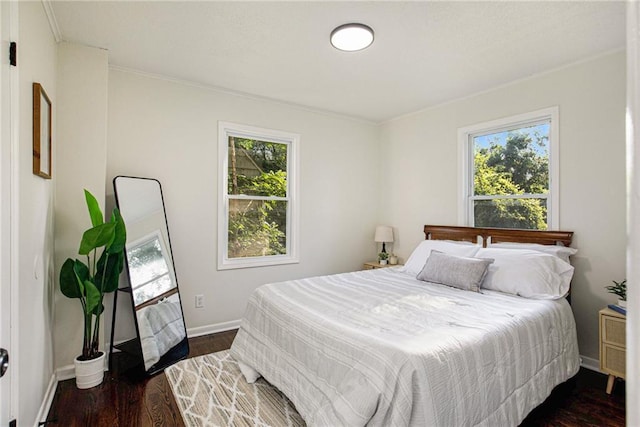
<point x="527" y="273"/>
<point x="561" y="252"/>
<point x="421" y="253"/>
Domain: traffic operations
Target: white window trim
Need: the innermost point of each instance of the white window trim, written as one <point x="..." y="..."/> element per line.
<point x="154" y="235"/>
<point x="465" y="162"/>
<point x="226" y="129"/>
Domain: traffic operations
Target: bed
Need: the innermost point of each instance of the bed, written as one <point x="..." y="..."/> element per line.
<point x="380" y="347"/>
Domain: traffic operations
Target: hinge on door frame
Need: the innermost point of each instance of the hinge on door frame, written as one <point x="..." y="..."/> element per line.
<point x="13" y="55"/>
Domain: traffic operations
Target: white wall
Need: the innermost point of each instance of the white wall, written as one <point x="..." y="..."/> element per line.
<point x="168" y="130"/>
<point x="419" y="154"/>
<point x="81" y="151"/>
<point x="34" y="363"/>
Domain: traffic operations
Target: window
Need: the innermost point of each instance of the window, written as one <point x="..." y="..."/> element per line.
<point x="510" y="172"/>
<point x="149" y="270"/>
<point x="257" y="215"/>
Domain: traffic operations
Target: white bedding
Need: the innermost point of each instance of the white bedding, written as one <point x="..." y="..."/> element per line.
<point x="379" y="347"/>
<point x="161" y="327"/>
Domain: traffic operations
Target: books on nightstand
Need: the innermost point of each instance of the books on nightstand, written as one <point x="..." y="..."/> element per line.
<point x="621" y="310"/>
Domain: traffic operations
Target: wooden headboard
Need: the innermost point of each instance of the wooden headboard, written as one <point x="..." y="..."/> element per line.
<point x="497" y="235"/>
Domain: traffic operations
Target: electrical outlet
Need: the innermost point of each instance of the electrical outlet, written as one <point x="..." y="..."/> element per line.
<point x="199" y="301"/>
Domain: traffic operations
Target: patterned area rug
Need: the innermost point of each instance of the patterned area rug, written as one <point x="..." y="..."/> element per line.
<point x="211" y="391"/>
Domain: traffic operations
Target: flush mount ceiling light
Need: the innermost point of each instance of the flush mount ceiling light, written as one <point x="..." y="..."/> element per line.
<point x="352" y="37"/>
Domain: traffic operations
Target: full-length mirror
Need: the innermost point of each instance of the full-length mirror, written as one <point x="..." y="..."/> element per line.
<point x="153" y="282"/>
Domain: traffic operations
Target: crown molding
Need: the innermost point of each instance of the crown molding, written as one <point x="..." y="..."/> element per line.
<point x="240" y="94"/>
<point x="51" y="17"/>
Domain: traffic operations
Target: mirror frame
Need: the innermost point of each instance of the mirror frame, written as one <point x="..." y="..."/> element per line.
<point x="181" y="350"/>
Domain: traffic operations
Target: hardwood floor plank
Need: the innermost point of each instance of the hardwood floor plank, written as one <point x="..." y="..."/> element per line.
<point x="127" y="400"/>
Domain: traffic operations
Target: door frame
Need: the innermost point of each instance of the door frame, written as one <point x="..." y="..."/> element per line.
<point x="633" y="210"/>
<point x="9" y="149"/>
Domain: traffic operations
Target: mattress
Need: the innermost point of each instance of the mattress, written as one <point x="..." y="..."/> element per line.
<point x="379" y="347"/>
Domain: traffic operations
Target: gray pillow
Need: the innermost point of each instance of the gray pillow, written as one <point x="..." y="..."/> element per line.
<point x="456" y="271"/>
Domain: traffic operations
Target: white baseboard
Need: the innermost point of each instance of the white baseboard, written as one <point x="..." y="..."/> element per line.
<point x="212" y="329"/>
<point x="590" y="363"/>
<point x="66" y="372"/>
<point x="47" y="400"/>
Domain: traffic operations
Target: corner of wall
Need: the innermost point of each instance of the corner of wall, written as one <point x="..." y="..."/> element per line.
<point x="81" y="163"/>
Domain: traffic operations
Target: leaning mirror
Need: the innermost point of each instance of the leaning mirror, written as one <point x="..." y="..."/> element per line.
<point x="153" y="283"/>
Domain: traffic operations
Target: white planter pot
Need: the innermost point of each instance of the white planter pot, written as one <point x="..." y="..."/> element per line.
<point x="622" y="303"/>
<point x="89" y="373"/>
<point x="383" y="262"/>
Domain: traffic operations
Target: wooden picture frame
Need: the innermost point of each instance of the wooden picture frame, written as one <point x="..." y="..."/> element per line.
<point x="42" y="147"/>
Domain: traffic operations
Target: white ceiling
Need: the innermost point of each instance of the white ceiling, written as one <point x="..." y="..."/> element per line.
<point x="424" y="53"/>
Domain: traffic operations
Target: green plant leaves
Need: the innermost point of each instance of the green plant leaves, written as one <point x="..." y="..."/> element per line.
<point x="98" y="236"/>
<point x="112" y="235"/>
<point x="111" y="273"/>
<point x="69" y="281"/>
<point x="90" y="282"/>
<point x="97" y="311"/>
<point x="94" y="209"/>
<point x="120" y="233"/>
<point x="76" y="283"/>
<point x="93" y="297"/>
<point x="619" y="289"/>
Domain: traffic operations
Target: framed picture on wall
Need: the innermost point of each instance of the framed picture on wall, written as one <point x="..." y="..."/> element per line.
<point x="41" y="132"/>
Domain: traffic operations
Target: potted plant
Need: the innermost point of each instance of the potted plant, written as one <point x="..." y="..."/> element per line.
<point x="90" y="281"/>
<point x="619" y="289"/>
<point x="383" y="257"/>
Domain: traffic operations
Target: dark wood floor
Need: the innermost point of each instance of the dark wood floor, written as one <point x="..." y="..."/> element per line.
<point x="123" y="401"/>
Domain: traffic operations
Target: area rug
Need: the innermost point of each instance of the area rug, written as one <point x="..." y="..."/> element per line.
<point x="211" y="391"/>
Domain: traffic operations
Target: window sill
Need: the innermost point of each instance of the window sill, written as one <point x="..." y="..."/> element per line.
<point x="232" y="264"/>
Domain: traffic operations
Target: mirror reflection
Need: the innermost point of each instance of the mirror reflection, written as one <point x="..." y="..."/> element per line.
<point x="149" y="268"/>
<point x="154" y="286"/>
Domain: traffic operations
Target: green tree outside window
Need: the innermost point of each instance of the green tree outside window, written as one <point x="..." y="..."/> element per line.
<point x="258" y="219"/>
<point x="511" y="169"/>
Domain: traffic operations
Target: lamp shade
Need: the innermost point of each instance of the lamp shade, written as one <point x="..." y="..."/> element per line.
<point x="384" y="233"/>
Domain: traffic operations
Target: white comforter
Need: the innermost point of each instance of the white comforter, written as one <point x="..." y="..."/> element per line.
<point x="161" y="327"/>
<point x="379" y="347"/>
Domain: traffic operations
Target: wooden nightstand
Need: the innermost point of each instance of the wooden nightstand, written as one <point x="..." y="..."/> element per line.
<point x="372" y="265"/>
<point x="613" y="345"/>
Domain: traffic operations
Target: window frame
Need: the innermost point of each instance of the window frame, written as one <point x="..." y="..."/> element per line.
<point x="466" y="152"/>
<point x="225" y="130"/>
<point x="144" y="240"/>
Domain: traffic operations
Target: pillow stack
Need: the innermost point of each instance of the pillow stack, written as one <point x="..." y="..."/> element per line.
<point x="527" y="270"/>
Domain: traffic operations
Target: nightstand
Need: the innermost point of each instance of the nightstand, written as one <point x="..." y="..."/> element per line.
<point x="613" y="345"/>
<point x="372" y="265"/>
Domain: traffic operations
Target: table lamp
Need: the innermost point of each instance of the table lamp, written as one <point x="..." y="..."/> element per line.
<point x="384" y="234"/>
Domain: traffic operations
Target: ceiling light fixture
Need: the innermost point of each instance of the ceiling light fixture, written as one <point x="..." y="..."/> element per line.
<point x="352" y="37"/>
